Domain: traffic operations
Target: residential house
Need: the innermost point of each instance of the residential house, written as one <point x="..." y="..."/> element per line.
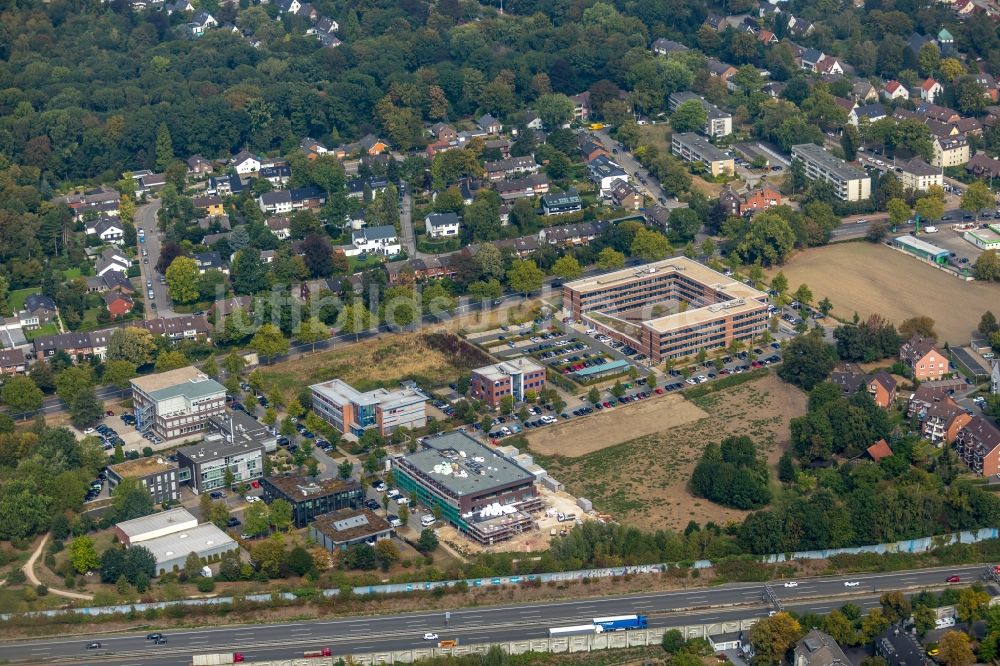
<point x="201" y="22"/>
<point x="231" y="184"/>
<point x="118" y="304"/>
<point x="246" y="163"/>
<point x="863" y="91"/>
<point x="604" y="172"/>
<point x="328" y="41"/>
<point x="374" y="184"/>
<point x="573" y="235"/>
<point x="581" y="106"/>
<point x="442" y="225"/>
<point x="590" y="150"/>
<point x="916" y="42"/>
<point x="730" y="200"/>
<point x="443" y="132"/>
<point x="38" y="311"/>
<point x="658" y="216"/>
<point x="198" y="166"/>
<point x="978" y="445"/>
<point x="146" y="182"/>
<point x="766" y="37"/>
<point x="882" y="388"/>
<point x="311" y="147"/>
<point x="210" y="261"/>
<point x="184" y="327"/>
<point x="879" y="451"/>
<point x="666" y="46"/>
<point x="715" y="22"/>
<point x="111" y="259"/>
<point x="511" y="167"/>
<point x="830" y="66"/>
<point x="924" y="359"/>
<point x="963" y="7"/>
<point x="372" y="145"/>
<point x="818" y="649"/>
<point x="950" y="151"/>
<point x="723" y="71"/>
<point x="286" y="201"/>
<point x="939" y="113"/>
<point x="983" y="166"/>
<point x="800" y="28"/>
<point x="108" y="229"/>
<point x="280" y="227"/>
<point x="501" y="145"/>
<point x="179" y="6"/>
<point x="849" y="378"/>
<point x="560" y="203"/>
<point x="277" y="175"/>
<point x="209" y="205"/>
<point x="810" y="58"/>
<point x="895" y="90"/>
<point x="760" y="198"/>
<point x="930" y="90"/>
<point x="12" y="362"/>
<point x="626" y="196"/>
<point x="868" y="112"/>
<point x="941" y="421"/>
<point x="408" y="271"/>
<point x="989" y="85"/>
<point x="901" y="648"/>
<point x="110" y="281"/>
<point x="919" y="175"/>
<point x="374" y="240"/>
<point x="327" y="26"/>
<point x="489" y="124"/>
<point x="529" y="186"/>
<point x="287" y="6"/>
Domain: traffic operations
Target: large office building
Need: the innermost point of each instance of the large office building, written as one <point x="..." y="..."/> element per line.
<point x="349" y="410"/>
<point x="312" y="497"/>
<point x="669" y="309"/>
<point x="849" y="183"/>
<point x="159" y="477"/>
<point x="236" y="426"/>
<point x="177" y="403"/>
<point x="483" y="494"/>
<point x="203" y="465"/>
<point x="693" y="148"/>
<point x="513" y="377"/>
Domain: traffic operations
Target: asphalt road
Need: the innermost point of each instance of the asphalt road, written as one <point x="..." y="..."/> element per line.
<point x="145" y="218"/>
<point x="479" y="624"/>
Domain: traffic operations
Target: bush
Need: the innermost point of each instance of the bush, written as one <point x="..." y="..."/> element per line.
<point x="206" y="584"/>
<point x="147" y="451"/>
<point x="41" y="590"/>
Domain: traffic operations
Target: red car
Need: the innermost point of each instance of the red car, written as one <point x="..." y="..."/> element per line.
<point x="607" y="404"/>
<point x="755" y="364"/>
<point x="255" y="484"/>
<point x="952" y="579"/>
<point x="659" y="391"/>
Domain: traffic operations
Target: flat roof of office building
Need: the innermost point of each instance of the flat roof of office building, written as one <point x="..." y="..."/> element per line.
<point x="156" y="521"/>
<point x="141" y="467"/>
<point x="189" y="382"/>
<point x="350" y="524"/>
<point x="214" y="447"/>
<point x="464" y="466"/>
<point x="502" y="369"/>
<point x="300" y="488"/>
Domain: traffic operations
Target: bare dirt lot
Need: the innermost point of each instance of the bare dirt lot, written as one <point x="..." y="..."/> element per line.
<point x="874" y="279"/>
<point x="579" y="437"/>
<point x="643" y="481"/>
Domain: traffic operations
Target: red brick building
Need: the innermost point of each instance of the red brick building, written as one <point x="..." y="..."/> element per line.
<point x="927" y="362"/>
<point x="514" y="377"/>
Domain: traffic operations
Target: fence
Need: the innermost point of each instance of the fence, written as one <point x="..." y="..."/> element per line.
<point x="910" y="546"/>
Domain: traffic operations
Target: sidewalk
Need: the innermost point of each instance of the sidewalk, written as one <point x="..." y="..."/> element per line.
<point x="29" y="572"/>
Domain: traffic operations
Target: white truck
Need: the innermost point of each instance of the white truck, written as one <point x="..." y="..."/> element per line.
<point x="218" y="659"/>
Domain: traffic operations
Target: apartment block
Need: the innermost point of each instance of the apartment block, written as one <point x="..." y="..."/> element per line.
<point x="950" y="151"/>
<point x="978" y="445"/>
<point x="177" y="403"/>
<point x="919" y="175"/>
<point x="350" y="410"/>
<point x="669" y="309"/>
<point x="693" y="148"/>
<point x="718" y="123"/>
<point x="849" y="183"/>
<point x="926" y="362"/>
<point x="513" y="377"/>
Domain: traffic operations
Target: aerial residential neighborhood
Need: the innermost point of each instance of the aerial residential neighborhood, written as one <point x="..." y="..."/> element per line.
<point x="464" y="333"/>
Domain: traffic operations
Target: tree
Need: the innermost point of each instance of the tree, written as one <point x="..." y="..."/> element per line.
<point x="132" y="344"/>
<point x="268" y="555"/>
<point x="825" y="306"/>
<point x="555" y="110"/>
<point x="138" y="566"/>
<point x="650" y="245"/>
<point x="689" y="116"/>
<point x="118" y="373"/>
<point x="673" y="641"/>
<point x="772" y="637"/>
<point x="311" y="331"/>
<point x="164" y="148"/>
<point x="355" y="318"/>
<point x="269" y="342"/>
<point x="21" y="395"/>
<point x="255" y="519"/>
<point x="182" y="280"/>
<point x="249" y="273"/>
<point x="83" y="555"/>
<point x="929" y="208"/>
<point x="808" y="360"/>
<point x="779" y="283"/>
<point x="685" y="223"/>
<point x="131" y="500"/>
<point x="610" y="259"/>
<point x="895" y="606"/>
<point x="428" y="541"/>
<point x="300" y="562"/>
<point x="987" y="266"/>
<point x="280" y="513"/>
<point x="803" y="294"/>
<point x="72" y="382"/>
<point x="525" y="277"/>
<point x="988" y="324"/>
<point x="922" y="326"/>
<point x="85" y="409"/>
<point x="849" y="142"/>
<point x="567" y="267"/>
<point x="318" y="256"/>
<point x="972" y="605"/>
<point x="170" y="359"/>
<point x="977" y="197"/>
<point x="345" y="469"/>
<point x="955" y="649"/>
<point x="767" y="239"/>
<point x="899" y="212"/>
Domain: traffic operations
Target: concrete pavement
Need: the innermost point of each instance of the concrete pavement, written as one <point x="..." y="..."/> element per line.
<point x="145" y="218"/>
<point x="483" y="624"/>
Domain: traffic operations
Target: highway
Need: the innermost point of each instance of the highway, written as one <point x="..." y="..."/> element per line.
<point x="361" y="634"/>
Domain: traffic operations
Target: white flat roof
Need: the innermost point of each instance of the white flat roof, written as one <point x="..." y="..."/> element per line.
<point x="200" y="539"/>
<point x="155" y="521"/>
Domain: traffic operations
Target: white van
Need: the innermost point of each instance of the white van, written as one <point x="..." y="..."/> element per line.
<point x="930" y="229"/>
<point x="427" y="520"/>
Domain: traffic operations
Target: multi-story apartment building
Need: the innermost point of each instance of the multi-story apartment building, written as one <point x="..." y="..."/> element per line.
<point x="513" y="377"/>
<point x="480" y="492"/>
<point x="919" y="175"/>
<point x="176" y="403"/>
<point x="718" y="123"/>
<point x="849" y="183"/>
<point x="978" y="444"/>
<point x="670" y="308"/>
<point x="349" y="410"/>
<point x="693" y="148"/>
<point x="926" y="361"/>
<point x="941" y="421"/>
<point x="950" y="151"/>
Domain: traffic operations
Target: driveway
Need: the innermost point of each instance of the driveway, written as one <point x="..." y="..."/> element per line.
<point x="406" y="221"/>
<point x="632" y="166"/>
<point x="145" y="218"/>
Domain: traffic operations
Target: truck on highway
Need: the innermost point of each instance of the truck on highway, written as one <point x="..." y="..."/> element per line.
<point x="218" y="659"/>
<point x="619" y="623"/>
<point x="325" y="652"/>
<point x="575" y="630"/>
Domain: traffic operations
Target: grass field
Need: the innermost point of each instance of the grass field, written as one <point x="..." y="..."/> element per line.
<point x="643" y="481"/>
<point x="384" y="361"/>
<point x="874" y="279"/>
<point x="17" y="297"/>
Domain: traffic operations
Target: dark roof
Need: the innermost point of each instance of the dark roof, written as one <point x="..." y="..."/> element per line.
<point x="849" y="382"/>
<point x="985" y="432"/>
<point x="117" y="280"/>
<point x="278" y="171"/>
<point x="173" y="325"/>
<point x="916" y="348"/>
<point x="303" y="193"/>
<point x="39" y="302"/>
<point x="350" y="525"/>
<point x="885" y="379"/>
<point x="300" y="488"/>
<point x="106" y="223"/>
<point x="442" y="219"/>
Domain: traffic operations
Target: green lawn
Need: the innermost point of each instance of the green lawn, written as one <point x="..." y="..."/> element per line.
<point x="17" y="297"/>
<point x="71" y="273"/>
<point x="370" y="261"/>
<point x="48" y="329"/>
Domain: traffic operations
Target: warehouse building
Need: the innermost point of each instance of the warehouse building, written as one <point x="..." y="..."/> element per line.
<point x="483" y="494"/>
<point x="921" y="249"/>
<point x="668" y="309"/>
<point x="177" y="403"/>
<point x="155" y="525"/>
<point x="173" y="535"/>
<point x="351" y="411"/>
<point x="155" y="474"/>
<point x="849" y="183"/>
<point x="312" y="497"/>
